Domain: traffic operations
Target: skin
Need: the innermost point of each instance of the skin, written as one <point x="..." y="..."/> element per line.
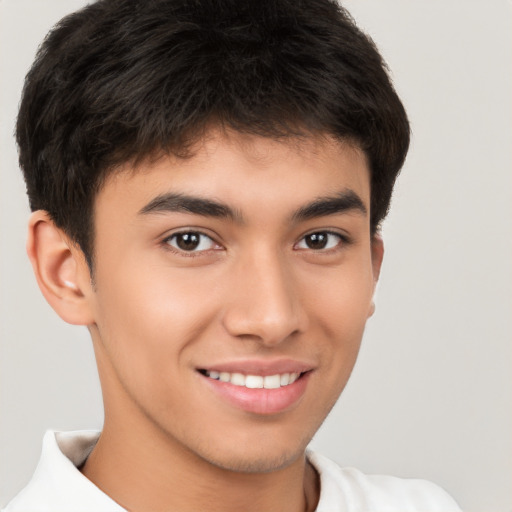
<point x="254" y="290"/>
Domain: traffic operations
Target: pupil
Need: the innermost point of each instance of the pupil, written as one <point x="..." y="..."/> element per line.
<point x="187" y="241"/>
<point x="316" y="240"/>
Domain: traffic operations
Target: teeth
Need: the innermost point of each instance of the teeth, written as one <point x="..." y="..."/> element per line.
<point x="272" y="382"/>
<point x="238" y="379"/>
<point x="285" y="379"/>
<point x="254" y="381"/>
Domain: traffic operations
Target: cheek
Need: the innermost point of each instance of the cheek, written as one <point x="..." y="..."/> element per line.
<point x="341" y="300"/>
<point x="152" y="313"/>
<point x="339" y="311"/>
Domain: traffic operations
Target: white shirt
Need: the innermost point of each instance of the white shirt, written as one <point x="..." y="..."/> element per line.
<point x="58" y="486"/>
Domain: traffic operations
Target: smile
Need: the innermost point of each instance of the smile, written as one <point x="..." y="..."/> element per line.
<point x="254" y="381"/>
<point x="260" y="389"/>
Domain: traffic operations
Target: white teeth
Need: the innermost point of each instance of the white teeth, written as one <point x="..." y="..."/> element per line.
<point x="285" y="379"/>
<point x="238" y="379"/>
<point x="254" y="381"/>
<point x="272" y="382"/>
<point x="224" y="376"/>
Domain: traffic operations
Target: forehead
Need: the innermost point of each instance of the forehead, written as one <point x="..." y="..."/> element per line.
<point x="245" y="171"/>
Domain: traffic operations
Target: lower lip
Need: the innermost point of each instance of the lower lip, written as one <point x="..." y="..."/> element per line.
<point x="260" y="401"/>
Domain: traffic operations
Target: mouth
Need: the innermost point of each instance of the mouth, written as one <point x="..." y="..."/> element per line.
<point x="275" y="381"/>
<point x="262" y="391"/>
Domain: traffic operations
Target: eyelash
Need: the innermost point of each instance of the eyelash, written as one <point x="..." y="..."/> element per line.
<point x="342" y="241"/>
<point x="182" y="252"/>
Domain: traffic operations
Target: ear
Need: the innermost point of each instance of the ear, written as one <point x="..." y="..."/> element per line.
<point x="61" y="270"/>
<point x="377" y="248"/>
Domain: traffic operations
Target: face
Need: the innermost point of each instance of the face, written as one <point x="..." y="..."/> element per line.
<point x="231" y="294"/>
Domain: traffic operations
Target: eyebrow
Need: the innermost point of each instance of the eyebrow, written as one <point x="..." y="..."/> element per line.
<point x="343" y="202"/>
<point x="190" y="204"/>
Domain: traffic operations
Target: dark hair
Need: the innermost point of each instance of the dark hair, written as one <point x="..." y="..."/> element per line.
<point x="121" y="80"/>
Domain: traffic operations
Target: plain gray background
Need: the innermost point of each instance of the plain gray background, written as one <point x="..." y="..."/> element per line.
<point x="431" y="394"/>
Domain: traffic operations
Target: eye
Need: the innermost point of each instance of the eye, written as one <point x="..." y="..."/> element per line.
<point x="320" y="240"/>
<point x="191" y="241"/>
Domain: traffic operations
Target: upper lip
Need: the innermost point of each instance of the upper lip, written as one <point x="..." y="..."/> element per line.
<point x="260" y="367"/>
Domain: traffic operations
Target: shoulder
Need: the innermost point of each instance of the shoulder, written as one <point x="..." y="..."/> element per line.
<point x="358" y="492"/>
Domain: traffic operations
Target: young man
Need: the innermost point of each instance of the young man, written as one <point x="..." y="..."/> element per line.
<point x="207" y="182"/>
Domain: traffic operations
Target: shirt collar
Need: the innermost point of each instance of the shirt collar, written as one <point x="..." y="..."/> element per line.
<point x="57" y="484"/>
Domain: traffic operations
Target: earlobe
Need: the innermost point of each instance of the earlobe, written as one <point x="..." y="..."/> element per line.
<point x="60" y="269"/>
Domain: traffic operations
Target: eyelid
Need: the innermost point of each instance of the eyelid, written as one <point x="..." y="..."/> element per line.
<point x="183" y="231"/>
<point x="343" y="240"/>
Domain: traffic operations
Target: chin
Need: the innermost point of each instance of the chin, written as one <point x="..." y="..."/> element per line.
<point x="263" y="455"/>
<point x="241" y="463"/>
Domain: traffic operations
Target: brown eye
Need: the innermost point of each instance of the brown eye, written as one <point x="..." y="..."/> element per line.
<point x="320" y="240"/>
<point x="316" y="240"/>
<point x="191" y="241"/>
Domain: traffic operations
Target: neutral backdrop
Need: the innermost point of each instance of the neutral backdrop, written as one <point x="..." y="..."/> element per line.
<point x="431" y="394"/>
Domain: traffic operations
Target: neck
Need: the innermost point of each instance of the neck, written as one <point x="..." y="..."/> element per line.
<point x="159" y="475"/>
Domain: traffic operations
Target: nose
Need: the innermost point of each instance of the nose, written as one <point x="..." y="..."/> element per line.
<point x="264" y="301"/>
